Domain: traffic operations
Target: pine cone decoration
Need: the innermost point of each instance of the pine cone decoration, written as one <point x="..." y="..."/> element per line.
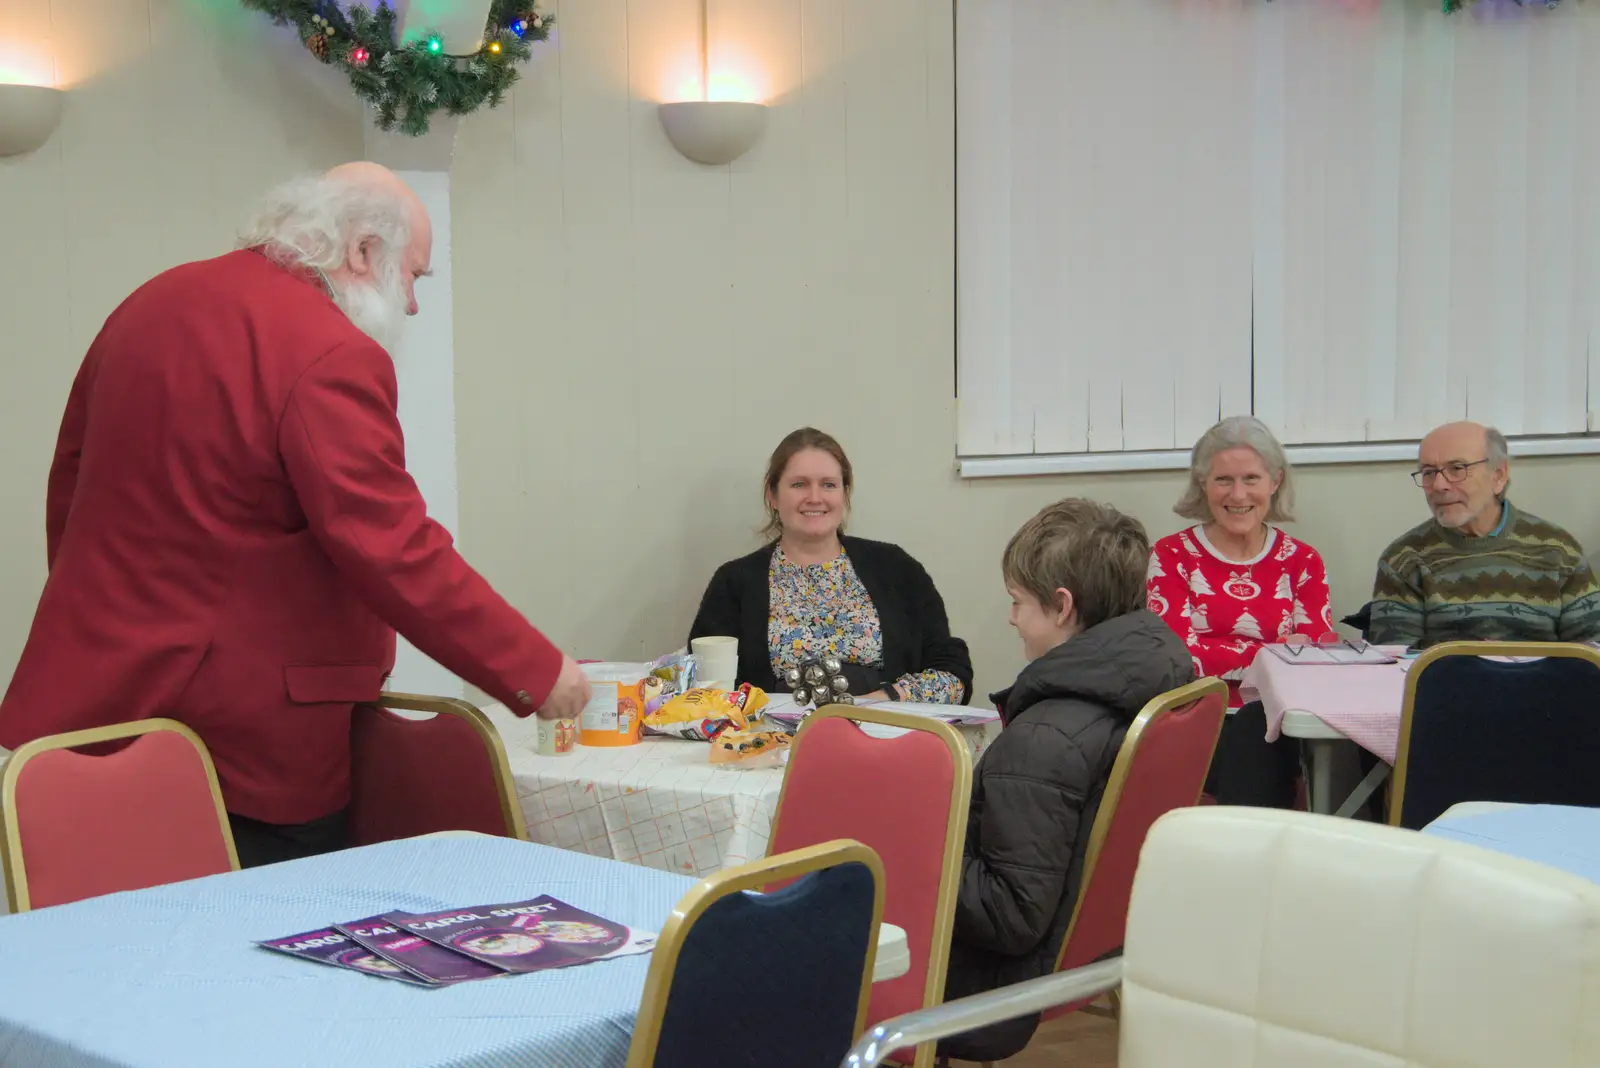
<point x="318" y="44"/>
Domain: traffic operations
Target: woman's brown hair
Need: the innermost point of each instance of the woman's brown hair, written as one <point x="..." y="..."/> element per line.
<point x="807" y="437"/>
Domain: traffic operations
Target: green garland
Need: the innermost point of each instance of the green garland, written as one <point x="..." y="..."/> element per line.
<point x="406" y="84"/>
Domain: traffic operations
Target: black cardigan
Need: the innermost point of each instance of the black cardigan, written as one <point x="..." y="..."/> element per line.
<point x="916" y="631"/>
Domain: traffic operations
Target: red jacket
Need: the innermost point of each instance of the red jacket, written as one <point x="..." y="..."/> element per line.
<point x="233" y="541"/>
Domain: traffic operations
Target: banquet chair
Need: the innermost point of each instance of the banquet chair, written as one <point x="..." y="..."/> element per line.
<point x="1161" y="766"/>
<point x="78" y="825"/>
<point x="1476" y="729"/>
<point x="1366" y="945"/>
<point x="906" y="798"/>
<point x="412" y="776"/>
<point x="777" y="979"/>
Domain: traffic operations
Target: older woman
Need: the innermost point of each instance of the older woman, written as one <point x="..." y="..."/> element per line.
<point x="811" y="591"/>
<point x="1234" y="582"/>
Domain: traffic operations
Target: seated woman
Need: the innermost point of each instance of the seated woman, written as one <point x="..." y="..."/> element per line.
<point x="811" y="592"/>
<point x="1233" y="583"/>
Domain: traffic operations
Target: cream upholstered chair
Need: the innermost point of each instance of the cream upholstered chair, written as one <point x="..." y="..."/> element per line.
<point x="1266" y="939"/>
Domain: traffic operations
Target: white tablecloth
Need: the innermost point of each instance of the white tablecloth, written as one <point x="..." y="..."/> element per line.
<point x="660" y="803"/>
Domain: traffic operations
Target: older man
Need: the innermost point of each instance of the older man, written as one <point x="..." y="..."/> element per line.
<point x="1481" y="569"/>
<point x="232" y="536"/>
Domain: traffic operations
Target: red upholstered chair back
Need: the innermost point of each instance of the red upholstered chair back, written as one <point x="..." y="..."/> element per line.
<point x="80" y="825"/>
<point x="904" y="797"/>
<point x="1161" y="766"/>
<point x="445" y="772"/>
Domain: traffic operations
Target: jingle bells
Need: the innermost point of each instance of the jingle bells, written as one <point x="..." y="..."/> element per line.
<point x="819" y="682"/>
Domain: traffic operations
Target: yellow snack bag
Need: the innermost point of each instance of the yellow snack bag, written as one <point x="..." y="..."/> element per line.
<point x="701" y="715"/>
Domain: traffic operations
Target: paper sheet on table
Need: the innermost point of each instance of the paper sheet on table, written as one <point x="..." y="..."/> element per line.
<point x="781" y="708"/>
<point x="1330" y="654"/>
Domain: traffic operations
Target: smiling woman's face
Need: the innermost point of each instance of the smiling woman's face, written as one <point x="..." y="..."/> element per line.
<point x="1239" y="490"/>
<point x="810" y="498"/>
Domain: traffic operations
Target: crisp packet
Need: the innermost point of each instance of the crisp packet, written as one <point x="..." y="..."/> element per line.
<point x="701" y="715"/>
<point x="755" y="748"/>
<point x="669" y="676"/>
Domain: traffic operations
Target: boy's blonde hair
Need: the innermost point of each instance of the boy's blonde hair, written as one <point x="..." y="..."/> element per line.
<point x="1086" y="547"/>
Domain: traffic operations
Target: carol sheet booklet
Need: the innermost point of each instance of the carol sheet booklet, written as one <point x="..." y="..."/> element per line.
<point x="458" y="945"/>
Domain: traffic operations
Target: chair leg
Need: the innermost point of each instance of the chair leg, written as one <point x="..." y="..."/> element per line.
<point x="1112" y="1010"/>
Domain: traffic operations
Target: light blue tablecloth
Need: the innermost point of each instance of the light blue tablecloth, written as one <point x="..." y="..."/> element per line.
<point x="1557" y="835"/>
<point x="169" y="977"/>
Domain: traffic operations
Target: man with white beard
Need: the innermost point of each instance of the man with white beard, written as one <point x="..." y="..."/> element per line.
<point x="231" y="534"/>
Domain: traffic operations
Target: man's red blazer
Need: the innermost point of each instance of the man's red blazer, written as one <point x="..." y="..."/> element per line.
<point x="233" y="541"/>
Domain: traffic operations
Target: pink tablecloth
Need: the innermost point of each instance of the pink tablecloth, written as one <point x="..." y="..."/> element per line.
<point x="1360" y="701"/>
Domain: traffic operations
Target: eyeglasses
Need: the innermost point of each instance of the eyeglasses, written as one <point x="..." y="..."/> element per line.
<point x="1299" y="643"/>
<point x="1456" y="472"/>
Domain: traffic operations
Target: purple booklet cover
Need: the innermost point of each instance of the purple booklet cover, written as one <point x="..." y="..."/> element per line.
<point x="329" y="946"/>
<point x="527" y="936"/>
<point x="420" y="957"/>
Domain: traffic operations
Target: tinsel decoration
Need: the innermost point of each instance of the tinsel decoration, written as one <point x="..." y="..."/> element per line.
<point x="406" y="84"/>
<point x="819" y="682"/>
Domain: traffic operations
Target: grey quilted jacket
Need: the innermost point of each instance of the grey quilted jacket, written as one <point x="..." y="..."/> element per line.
<point x="1035" y="793"/>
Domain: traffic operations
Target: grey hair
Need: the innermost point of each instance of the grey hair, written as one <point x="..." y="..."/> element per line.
<point x="311" y="222"/>
<point x="1237" y="431"/>
<point x="1498" y="452"/>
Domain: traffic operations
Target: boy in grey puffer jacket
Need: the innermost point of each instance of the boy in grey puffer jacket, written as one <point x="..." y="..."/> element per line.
<point x="1076" y="576"/>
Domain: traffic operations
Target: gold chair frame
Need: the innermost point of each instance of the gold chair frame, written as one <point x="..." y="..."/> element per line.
<point x="954" y="838"/>
<point x="16" y="870"/>
<point x="1156" y="708"/>
<point x="505" y="783"/>
<point x="1536" y="650"/>
<point x="752" y="876"/>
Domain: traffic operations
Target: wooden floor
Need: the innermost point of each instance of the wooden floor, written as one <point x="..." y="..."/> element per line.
<point x="1076" y="1040"/>
<point x="1072" y="1041"/>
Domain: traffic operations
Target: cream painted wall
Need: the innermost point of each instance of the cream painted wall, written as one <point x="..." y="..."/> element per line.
<point x="180" y="113"/>
<point x="635" y="332"/>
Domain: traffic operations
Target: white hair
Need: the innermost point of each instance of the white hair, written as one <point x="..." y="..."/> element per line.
<point x="1498" y="452"/>
<point x="312" y="222"/>
<point x="1237" y="431"/>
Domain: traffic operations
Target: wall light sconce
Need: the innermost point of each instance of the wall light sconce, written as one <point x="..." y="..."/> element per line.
<point x="28" y="115"/>
<point x="713" y="132"/>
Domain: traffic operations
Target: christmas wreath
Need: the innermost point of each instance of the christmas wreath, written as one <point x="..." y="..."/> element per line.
<point x="406" y="83"/>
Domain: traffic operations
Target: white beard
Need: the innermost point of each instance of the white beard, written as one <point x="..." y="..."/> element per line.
<point x="378" y="310"/>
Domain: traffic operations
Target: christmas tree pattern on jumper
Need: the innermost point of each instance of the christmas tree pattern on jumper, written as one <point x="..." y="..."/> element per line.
<point x="1226" y="610"/>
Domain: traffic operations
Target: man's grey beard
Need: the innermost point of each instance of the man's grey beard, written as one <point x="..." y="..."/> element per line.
<point x="377" y="310"/>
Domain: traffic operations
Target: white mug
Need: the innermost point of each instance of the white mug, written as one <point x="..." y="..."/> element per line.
<point x="716" y="661"/>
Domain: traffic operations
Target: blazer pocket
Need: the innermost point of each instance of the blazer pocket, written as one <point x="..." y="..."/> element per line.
<point x="328" y="684"/>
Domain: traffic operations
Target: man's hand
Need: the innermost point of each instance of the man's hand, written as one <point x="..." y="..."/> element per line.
<point x="568" y="695"/>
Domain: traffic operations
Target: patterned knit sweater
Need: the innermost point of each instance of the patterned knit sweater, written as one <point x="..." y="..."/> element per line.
<point x="1528" y="582"/>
